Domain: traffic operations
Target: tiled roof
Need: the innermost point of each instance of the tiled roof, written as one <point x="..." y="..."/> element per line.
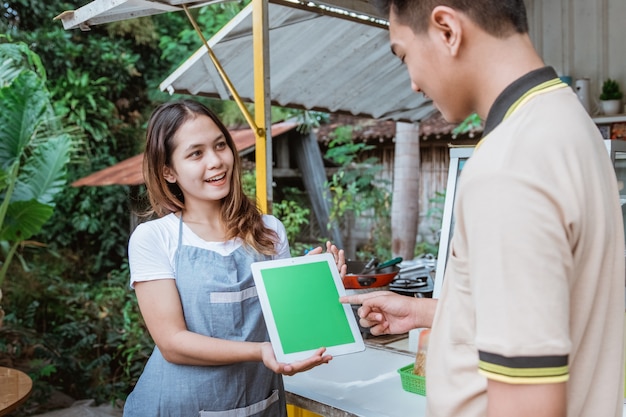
<point x="129" y="171"/>
<point x="432" y="127"/>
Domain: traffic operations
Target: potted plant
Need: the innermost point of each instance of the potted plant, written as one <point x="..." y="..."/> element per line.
<point x="34" y="152"/>
<point x="610" y="97"/>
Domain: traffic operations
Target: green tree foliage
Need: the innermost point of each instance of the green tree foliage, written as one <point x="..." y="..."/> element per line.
<point x="290" y="210"/>
<point x="179" y="45"/>
<point x="98" y="82"/>
<point x="356" y="191"/>
<point x="34" y="150"/>
<point x="430" y="244"/>
<point x="87" y="340"/>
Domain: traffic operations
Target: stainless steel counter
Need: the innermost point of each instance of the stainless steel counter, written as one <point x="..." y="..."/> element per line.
<point x="364" y="384"/>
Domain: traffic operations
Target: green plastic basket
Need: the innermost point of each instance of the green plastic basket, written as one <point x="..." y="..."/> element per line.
<point x="411" y="382"/>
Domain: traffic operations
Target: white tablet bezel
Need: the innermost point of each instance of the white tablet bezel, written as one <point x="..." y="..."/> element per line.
<point x="340" y="349"/>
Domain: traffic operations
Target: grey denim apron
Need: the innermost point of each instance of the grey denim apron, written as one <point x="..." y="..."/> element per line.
<point x="219" y="299"/>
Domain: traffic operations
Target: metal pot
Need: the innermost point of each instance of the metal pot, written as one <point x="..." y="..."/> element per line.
<point x="354" y="279"/>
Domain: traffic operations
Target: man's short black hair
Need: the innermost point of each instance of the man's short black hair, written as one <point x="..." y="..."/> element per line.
<point x="496" y="17"/>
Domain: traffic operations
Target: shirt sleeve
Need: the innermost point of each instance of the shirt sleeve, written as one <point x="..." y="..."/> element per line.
<point x="282" y="247"/>
<point x="149" y="255"/>
<point x="519" y="257"/>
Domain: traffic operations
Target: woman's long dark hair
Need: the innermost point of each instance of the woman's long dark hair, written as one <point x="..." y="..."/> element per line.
<point x="241" y="217"/>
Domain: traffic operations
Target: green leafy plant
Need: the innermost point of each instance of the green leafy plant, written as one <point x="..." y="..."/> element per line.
<point x="87" y="340"/>
<point x="34" y="150"/>
<point x="610" y="90"/>
<point x="434" y="216"/>
<point x="82" y="102"/>
<point x="289" y="211"/>
<point x="357" y="192"/>
<point x="292" y="215"/>
<point x="351" y="187"/>
<point x="471" y="122"/>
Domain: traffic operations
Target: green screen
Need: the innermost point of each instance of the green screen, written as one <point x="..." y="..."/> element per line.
<point x="306" y="307"/>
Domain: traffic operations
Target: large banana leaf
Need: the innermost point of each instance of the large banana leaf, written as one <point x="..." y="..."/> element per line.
<point x="4" y="180"/>
<point x="43" y="173"/>
<point x="14" y="58"/>
<point x="24" y="102"/>
<point x="33" y="154"/>
<point x="24" y="219"/>
<point x="8" y="71"/>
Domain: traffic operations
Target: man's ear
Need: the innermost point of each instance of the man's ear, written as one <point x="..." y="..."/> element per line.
<point x="169" y="175"/>
<point x="447" y="24"/>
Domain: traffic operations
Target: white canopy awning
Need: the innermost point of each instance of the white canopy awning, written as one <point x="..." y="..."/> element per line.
<point x="105" y="11"/>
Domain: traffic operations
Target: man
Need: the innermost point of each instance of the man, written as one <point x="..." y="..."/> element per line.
<point x="530" y="319"/>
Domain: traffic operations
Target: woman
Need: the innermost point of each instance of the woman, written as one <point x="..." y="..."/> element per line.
<point x="190" y="269"/>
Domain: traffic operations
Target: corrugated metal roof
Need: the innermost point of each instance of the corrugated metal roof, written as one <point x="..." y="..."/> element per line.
<point x="129" y="171"/>
<point x="319" y="60"/>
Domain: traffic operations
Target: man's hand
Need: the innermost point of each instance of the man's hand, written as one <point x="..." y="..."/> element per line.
<point x="385" y="312"/>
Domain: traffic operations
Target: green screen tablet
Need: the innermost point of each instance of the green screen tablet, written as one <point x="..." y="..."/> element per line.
<point x="300" y="302"/>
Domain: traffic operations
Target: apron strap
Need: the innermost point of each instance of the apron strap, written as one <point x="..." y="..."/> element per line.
<point x="180" y="243"/>
<point x="180" y="230"/>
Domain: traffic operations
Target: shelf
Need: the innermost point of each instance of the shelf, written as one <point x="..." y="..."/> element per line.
<point x="599" y="120"/>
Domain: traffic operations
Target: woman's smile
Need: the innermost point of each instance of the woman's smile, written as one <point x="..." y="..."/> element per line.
<point x="217" y="180"/>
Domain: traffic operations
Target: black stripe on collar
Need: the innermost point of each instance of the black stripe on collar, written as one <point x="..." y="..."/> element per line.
<point x="513" y="92"/>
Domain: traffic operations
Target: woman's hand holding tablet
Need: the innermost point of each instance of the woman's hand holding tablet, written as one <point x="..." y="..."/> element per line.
<point x="300" y="301"/>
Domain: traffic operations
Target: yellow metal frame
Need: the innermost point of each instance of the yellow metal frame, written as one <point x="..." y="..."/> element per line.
<point x="294" y="411"/>
<point x="260" y="38"/>
<point x="258" y="124"/>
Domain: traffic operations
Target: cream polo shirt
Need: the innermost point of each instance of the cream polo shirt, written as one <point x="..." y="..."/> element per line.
<point x="533" y="289"/>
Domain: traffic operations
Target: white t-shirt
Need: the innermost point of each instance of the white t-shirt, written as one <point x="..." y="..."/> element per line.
<point x="152" y="246"/>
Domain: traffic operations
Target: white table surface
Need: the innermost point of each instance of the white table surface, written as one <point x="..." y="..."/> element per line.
<point x="364" y="384"/>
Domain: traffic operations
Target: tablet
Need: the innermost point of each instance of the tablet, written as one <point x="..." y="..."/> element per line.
<point x="300" y="301"/>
